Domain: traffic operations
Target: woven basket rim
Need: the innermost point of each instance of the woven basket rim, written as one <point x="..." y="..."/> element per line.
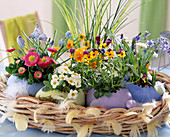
<point x="115" y="114"/>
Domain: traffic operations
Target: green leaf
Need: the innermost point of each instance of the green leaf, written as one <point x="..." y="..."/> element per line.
<point x="133" y="69"/>
<point x="50" y="77"/>
<point x="107" y="88"/>
<point x="47" y="83"/>
<point x="8" y="70"/>
<point x="45" y="89"/>
<point x="107" y="94"/>
<point x="31" y="76"/>
<point x="96" y="94"/>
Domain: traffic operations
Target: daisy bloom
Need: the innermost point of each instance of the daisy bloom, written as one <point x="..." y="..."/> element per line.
<point x="52" y="50"/>
<point x="70" y="44"/>
<point x="38" y="74"/>
<point x="31" y="59"/>
<point x="31" y="50"/>
<point x="54" y="83"/>
<point x="62" y="77"/>
<point x="109" y="53"/>
<point x="71" y="81"/>
<point x="44" y="62"/>
<point x="10" y="50"/>
<point x="53" y="60"/>
<point x="81" y="37"/>
<point x="86" y="44"/>
<point x="17" y="61"/>
<point x="23" y="58"/>
<point x="61" y="69"/>
<point x="55" y="77"/>
<point x="21" y="70"/>
<point x="73" y="94"/>
<point x="78" y="84"/>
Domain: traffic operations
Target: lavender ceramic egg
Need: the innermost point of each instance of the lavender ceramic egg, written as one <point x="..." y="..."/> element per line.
<point x="32" y="89"/>
<point x="115" y="100"/>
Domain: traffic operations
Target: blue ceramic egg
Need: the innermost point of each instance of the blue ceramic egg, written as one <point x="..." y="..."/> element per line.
<point x="143" y="94"/>
<point x="32" y="89"/>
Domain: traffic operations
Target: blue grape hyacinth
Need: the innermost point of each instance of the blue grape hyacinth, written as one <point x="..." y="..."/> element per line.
<point x="21" y="41"/>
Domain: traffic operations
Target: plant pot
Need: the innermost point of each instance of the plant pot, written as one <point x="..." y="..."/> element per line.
<point x="121" y="99"/>
<point x="32" y="89"/>
<point x="143" y="94"/>
<point x="59" y="96"/>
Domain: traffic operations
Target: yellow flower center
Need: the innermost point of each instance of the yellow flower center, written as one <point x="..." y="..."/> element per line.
<point x="75" y="74"/>
<point x="31" y="58"/>
<point x="62" y="77"/>
<point x="71" y="81"/>
<point x="73" y="94"/>
<point x="43" y="60"/>
<point x="65" y="69"/>
<point x="54" y="83"/>
<point x="55" y="77"/>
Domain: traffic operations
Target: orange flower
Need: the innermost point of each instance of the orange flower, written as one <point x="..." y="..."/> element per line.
<point x="93" y="64"/>
<point x="147" y="64"/>
<point x="81" y="37"/>
<point x="86" y="44"/>
<point x="69" y="44"/>
<point x="79" y="54"/>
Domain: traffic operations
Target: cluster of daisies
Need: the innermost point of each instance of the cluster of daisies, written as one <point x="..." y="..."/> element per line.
<point x="63" y="75"/>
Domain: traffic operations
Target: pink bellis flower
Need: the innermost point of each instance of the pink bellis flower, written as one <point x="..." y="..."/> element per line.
<point x="44" y="62"/>
<point x="38" y="74"/>
<point x="21" y="70"/>
<point x="31" y="59"/>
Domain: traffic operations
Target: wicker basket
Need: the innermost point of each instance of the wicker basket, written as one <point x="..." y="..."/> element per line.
<point x="78" y="119"/>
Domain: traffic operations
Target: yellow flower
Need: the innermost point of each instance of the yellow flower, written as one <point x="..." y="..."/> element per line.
<point x="102" y="45"/>
<point x="57" y="48"/>
<point x="81" y="37"/>
<point x="93" y="54"/>
<point x="71" y="56"/>
<point x="105" y="45"/>
<point x="86" y="44"/>
<point x="87" y="57"/>
<point x="109" y="53"/>
<point x="69" y="44"/>
<point x="122" y="54"/>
